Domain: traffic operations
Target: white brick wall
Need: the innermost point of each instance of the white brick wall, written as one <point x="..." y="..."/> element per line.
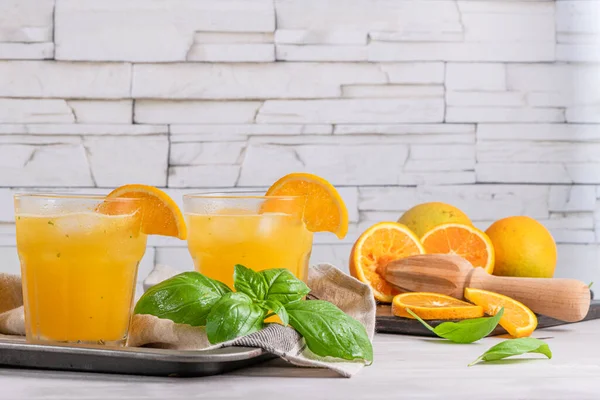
<point x="491" y="105"/>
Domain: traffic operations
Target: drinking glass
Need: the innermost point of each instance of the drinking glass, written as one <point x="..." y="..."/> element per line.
<point x="258" y="232"/>
<point x="79" y="259"/>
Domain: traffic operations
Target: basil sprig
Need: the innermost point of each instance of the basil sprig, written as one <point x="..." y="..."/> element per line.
<point x="514" y="347"/>
<point x="191" y="298"/>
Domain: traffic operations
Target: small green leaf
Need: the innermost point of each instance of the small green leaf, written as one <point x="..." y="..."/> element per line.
<point x="50" y="223"/>
<point x="234" y="315"/>
<point x="590" y="285"/>
<point x="283" y="286"/>
<point x="328" y="331"/>
<point x="465" y="331"/>
<point x="186" y="298"/>
<point x="278" y="309"/>
<point x="249" y="282"/>
<point x="514" y="347"/>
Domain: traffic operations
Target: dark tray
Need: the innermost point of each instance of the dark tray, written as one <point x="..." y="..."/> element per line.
<point x="16" y="352"/>
<point x="386" y="322"/>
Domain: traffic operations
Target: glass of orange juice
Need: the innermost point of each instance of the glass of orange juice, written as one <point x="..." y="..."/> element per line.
<point x="256" y="231"/>
<point x="78" y="266"/>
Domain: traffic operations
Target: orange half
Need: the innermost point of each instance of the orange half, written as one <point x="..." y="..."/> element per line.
<point x="463" y="240"/>
<point x="434" y="306"/>
<point x="518" y="319"/>
<point x="377" y="246"/>
<point x="160" y="214"/>
<point x="324" y="211"/>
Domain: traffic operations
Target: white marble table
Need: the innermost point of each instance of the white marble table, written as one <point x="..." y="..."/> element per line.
<point x="405" y="368"/>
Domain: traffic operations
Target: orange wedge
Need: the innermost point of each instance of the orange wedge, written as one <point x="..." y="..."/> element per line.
<point x="518" y="320"/>
<point x="434" y="306"/>
<point x="324" y="211"/>
<point x="464" y="240"/>
<point x="378" y="245"/>
<point x="161" y="215"/>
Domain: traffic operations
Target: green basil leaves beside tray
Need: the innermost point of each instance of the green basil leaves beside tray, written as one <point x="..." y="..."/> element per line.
<point x="514" y="347"/>
<point x="194" y="299"/>
<point x="465" y="331"/>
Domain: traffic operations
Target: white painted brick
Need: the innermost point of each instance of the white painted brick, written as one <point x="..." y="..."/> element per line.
<point x="351" y="111"/>
<point x="363" y="140"/>
<point x="546" y="132"/>
<point x="203" y="176"/>
<point x="503" y="114"/>
<point x="10" y="260"/>
<point x="450" y="33"/>
<point x="206" y="153"/>
<point x="485" y="99"/>
<point x="573" y="236"/>
<point x="585" y="173"/>
<point x="577" y="38"/>
<point x="522" y="173"/>
<point x="445" y="151"/>
<point x="572" y="198"/>
<point x="194" y="112"/>
<point x="48" y="165"/>
<point x="146" y="264"/>
<point x="542" y="152"/>
<point x="7" y="234"/>
<point x="57" y="79"/>
<point x="233" y="37"/>
<point x="587" y="114"/>
<point x="175" y="257"/>
<point x="338" y="255"/>
<point x="414" y="72"/>
<point x="26" y="20"/>
<point x="116" y="161"/>
<point x="26" y="51"/>
<point x="232" y="53"/>
<point x="249" y="81"/>
<point x="545" y="99"/>
<point x="578" y="53"/>
<point x="100" y="111"/>
<point x="337" y="37"/>
<point x="379" y="91"/>
<point x="439" y="165"/>
<point x="350" y="197"/>
<point x="88" y="30"/>
<point x="570" y="221"/>
<point x="577" y="16"/>
<point x="291" y="52"/>
<point x="39" y="140"/>
<point x="579" y="261"/>
<point x="244" y="130"/>
<point x="468" y="52"/>
<point x="53" y="130"/>
<point x="460" y="130"/>
<point x="476" y="77"/>
<point x="34" y="111"/>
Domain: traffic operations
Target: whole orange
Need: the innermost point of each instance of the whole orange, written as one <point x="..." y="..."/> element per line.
<point x="424" y="217"/>
<point x="523" y="248"/>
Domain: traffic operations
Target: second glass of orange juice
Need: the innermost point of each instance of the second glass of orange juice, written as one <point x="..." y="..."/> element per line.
<point x="256" y="231"/>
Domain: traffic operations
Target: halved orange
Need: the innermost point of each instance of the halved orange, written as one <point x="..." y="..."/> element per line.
<point x="377" y="246"/>
<point x="324" y="210"/>
<point x="160" y="214"/>
<point x="518" y="319"/>
<point x="464" y="240"/>
<point x="434" y="306"/>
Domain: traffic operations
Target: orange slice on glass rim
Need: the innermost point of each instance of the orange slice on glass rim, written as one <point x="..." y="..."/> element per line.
<point x="324" y="210"/>
<point x="434" y="306"/>
<point x="461" y="239"/>
<point x="160" y="214"/>
<point x="518" y="319"/>
<point x="377" y="246"/>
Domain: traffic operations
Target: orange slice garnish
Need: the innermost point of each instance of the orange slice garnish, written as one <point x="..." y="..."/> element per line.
<point x="434" y="306"/>
<point x="518" y="319"/>
<point x="464" y="240"/>
<point x="160" y="214"/>
<point x="377" y="246"/>
<point x="324" y="210"/>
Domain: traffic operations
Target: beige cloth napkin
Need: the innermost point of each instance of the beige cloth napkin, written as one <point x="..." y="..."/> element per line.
<point x="326" y="283"/>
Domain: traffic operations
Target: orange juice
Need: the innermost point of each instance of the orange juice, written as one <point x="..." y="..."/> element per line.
<point x="79" y="271"/>
<point x="219" y="240"/>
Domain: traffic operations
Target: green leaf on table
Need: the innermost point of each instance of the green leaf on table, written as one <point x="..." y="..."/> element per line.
<point x="249" y="282"/>
<point x="514" y="347"/>
<point x="186" y="298"/>
<point x="465" y="331"/>
<point x="283" y="286"/>
<point x="234" y="315"/>
<point x="278" y="309"/>
<point x="328" y="331"/>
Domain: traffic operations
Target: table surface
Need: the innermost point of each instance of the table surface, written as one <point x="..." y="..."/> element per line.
<point x="405" y="367"/>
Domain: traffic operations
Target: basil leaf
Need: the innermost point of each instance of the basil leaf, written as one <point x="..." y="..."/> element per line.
<point x="277" y="308"/>
<point x="328" y="331"/>
<point x="283" y="286"/>
<point x="234" y="315"/>
<point x="514" y="347"/>
<point x="186" y="298"/>
<point x="249" y="282"/>
<point x="465" y="331"/>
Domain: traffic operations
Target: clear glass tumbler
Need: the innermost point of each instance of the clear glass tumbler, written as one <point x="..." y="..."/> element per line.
<point x="256" y="231"/>
<point x="79" y="259"/>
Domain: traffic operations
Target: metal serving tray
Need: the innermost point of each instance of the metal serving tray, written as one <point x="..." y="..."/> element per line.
<point x="16" y="352"/>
